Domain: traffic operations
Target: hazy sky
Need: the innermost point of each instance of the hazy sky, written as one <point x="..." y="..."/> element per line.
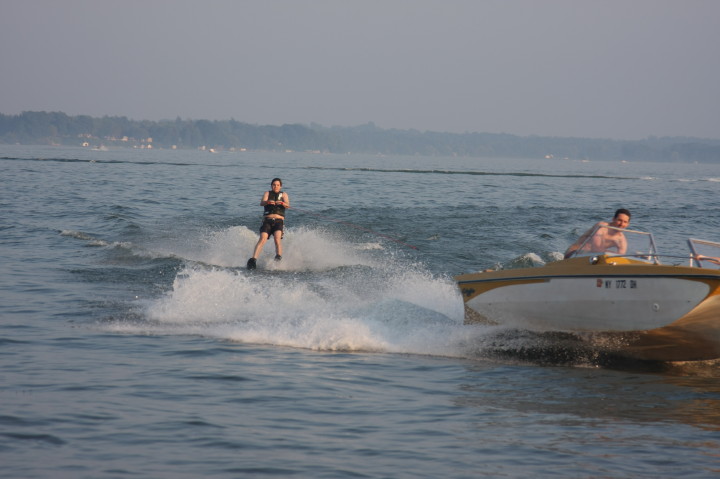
<point x="624" y="69"/>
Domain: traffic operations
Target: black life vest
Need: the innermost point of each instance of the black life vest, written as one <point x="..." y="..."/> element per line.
<point x="275" y="209"/>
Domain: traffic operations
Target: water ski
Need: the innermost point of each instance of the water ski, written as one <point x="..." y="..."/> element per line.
<point x="252" y="263"/>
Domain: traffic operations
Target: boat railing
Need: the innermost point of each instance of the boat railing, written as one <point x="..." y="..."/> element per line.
<point x="704" y="254"/>
<point x="640" y="245"/>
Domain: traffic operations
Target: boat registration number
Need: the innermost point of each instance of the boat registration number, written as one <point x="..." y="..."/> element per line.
<point x="617" y="283"/>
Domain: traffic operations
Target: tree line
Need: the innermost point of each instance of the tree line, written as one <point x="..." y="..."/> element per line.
<point x="60" y="128"/>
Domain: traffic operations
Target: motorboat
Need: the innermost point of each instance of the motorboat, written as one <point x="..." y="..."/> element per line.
<point x="639" y="304"/>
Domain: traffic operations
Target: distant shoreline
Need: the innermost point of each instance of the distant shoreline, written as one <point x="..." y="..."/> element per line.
<point x="57" y="128"/>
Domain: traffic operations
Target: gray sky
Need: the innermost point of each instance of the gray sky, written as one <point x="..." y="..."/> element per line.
<point x="624" y="69"/>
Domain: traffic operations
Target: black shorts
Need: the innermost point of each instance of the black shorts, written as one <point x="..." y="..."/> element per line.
<point x="271" y="225"/>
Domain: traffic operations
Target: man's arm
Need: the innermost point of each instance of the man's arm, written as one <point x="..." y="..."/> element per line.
<point x="622" y="244"/>
<point x="264" y="199"/>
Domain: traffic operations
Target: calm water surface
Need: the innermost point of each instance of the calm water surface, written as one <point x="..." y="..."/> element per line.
<point x="133" y="343"/>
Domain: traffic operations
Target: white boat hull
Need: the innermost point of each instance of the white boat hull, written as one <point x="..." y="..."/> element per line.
<point x="591" y="304"/>
<point x="650" y="311"/>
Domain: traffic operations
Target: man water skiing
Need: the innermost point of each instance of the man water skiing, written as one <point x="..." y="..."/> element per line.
<point x="275" y="203"/>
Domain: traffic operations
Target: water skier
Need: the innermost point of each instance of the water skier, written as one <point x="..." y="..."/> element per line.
<point x="275" y="203"/>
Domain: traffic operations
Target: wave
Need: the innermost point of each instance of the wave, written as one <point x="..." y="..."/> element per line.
<point x="327" y="294"/>
<point x="692" y="180"/>
<point x="334" y="312"/>
<point x="108" y="161"/>
<point x="130" y="248"/>
<point x="360" y="169"/>
<point x="467" y="172"/>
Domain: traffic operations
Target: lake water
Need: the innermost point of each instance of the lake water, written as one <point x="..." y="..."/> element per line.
<point x="134" y="343"/>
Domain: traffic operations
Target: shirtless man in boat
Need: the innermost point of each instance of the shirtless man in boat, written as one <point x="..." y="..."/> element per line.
<point x="605" y="239"/>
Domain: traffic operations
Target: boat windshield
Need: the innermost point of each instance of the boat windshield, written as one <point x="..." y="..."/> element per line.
<point x="609" y="240"/>
<point x="705" y="254"/>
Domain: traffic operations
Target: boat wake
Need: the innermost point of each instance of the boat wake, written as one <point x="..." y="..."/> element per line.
<point x="327" y="294"/>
